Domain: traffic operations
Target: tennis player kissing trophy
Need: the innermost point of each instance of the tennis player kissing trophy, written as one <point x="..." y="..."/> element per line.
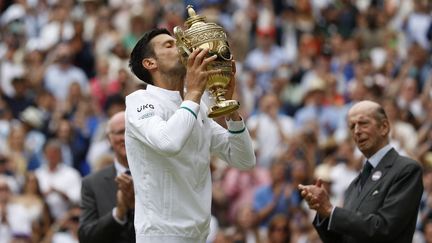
<point x="200" y="34"/>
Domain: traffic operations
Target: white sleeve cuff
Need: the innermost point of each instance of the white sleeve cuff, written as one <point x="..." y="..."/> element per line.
<point x="190" y="106"/>
<point x="236" y="126"/>
<point x="114" y="213"/>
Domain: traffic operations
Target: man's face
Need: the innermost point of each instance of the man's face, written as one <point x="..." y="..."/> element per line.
<point x="368" y="134"/>
<point x="64" y="54"/>
<point x="116" y="135"/>
<point x="270" y="105"/>
<point x="167" y="56"/>
<point x="53" y="155"/>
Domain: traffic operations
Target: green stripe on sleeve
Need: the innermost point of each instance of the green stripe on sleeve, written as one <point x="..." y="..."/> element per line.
<point x="236" y="132"/>
<point x="191" y="111"/>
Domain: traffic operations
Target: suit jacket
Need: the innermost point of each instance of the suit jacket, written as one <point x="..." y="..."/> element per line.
<point x="385" y="210"/>
<point x="98" y="198"/>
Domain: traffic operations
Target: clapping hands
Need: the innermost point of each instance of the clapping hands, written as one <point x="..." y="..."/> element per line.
<point x="317" y="198"/>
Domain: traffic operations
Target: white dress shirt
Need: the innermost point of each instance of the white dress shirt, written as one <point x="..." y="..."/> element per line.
<point x="64" y="179"/>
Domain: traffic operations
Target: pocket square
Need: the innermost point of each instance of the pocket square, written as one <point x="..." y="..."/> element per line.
<point x="375" y="192"/>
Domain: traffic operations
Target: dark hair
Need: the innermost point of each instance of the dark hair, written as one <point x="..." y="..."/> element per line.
<point x="52" y="142"/>
<point x="275" y="220"/>
<point x="143" y="50"/>
<point x="112" y="100"/>
<point x="26" y="181"/>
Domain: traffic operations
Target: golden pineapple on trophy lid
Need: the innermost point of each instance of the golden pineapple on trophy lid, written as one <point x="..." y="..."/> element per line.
<point x="200" y="34"/>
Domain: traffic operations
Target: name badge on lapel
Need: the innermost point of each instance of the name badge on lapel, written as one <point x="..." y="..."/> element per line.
<point x="376" y="175"/>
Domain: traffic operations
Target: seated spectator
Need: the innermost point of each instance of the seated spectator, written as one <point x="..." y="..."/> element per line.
<point x="74" y="144"/>
<point x="270" y="130"/>
<point x="279" y="229"/>
<point x="61" y="74"/>
<point x="277" y="197"/>
<point x="65" y="229"/>
<point x="266" y="58"/>
<point x="33" y="202"/>
<point x="239" y="187"/>
<point x="302" y="230"/>
<point x="18" y="149"/>
<point x="107" y="196"/>
<point x="103" y="85"/>
<point x="347" y="169"/>
<point x="245" y="227"/>
<point x="15" y="219"/>
<point x="99" y="145"/>
<point x="32" y="122"/>
<point x="314" y="112"/>
<point x="20" y="100"/>
<point x="59" y="183"/>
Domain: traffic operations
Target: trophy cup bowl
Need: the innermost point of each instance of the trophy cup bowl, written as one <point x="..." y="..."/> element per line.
<point x="200" y="34"/>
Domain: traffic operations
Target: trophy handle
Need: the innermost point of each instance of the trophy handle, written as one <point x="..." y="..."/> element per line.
<point x="178" y="32"/>
<point x="184" y="48"/>
<point x="181" y="40"/>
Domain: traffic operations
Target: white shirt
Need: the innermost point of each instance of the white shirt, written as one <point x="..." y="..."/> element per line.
<point x="268" y="138"/>
<point x="265" y="63"/>
<point x="55" y="32"/>
<point x="341" y="176"/>
<point x="58" y="80"/>
<point x="417" y="26"/>
<point x="8" y="71"/>
<point x="377" y="157"/>
<point x="120" y="169"/>
<point x="5" y="232"/>
<point x="169" y="143"/>
<point x="64" y="237"/>
<point x="64" y="179"/>
<point x="20" y="219"/>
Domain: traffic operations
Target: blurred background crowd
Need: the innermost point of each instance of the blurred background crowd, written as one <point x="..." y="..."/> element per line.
<point x="300" y="66"/>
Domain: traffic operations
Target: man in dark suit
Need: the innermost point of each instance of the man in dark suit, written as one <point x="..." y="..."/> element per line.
<point x="381" y="204"/>
<point x="107" y="196"/>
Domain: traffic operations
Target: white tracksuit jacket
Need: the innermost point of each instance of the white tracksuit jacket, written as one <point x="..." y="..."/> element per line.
<point x="169" y="143"/>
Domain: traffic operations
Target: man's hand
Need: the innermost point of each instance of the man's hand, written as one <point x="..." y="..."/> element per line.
<point x="125" y="186"/>
<point x="230" y="88"/>
<point x="61" y="193"/>
<point x="197" y="74"/>
<point x="121" y="206"/>
<point x="230" y="93"/>
<point x="317" y="198"/>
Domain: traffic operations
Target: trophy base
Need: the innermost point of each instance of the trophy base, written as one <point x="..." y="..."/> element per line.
<point x="223" y="108"/>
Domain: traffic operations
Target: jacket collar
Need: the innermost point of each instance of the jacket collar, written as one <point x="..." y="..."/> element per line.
<point x="377" y="157"/>
<point x="383" y="167"/>
<point x="111" y="173"/>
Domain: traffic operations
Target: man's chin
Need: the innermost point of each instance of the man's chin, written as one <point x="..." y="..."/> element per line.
<point x="179" y="72"/>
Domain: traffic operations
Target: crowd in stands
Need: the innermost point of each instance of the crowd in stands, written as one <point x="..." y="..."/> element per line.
<point x="301" y="64"/>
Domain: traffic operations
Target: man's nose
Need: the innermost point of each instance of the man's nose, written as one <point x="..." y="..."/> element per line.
<point x="356" y="129"/>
